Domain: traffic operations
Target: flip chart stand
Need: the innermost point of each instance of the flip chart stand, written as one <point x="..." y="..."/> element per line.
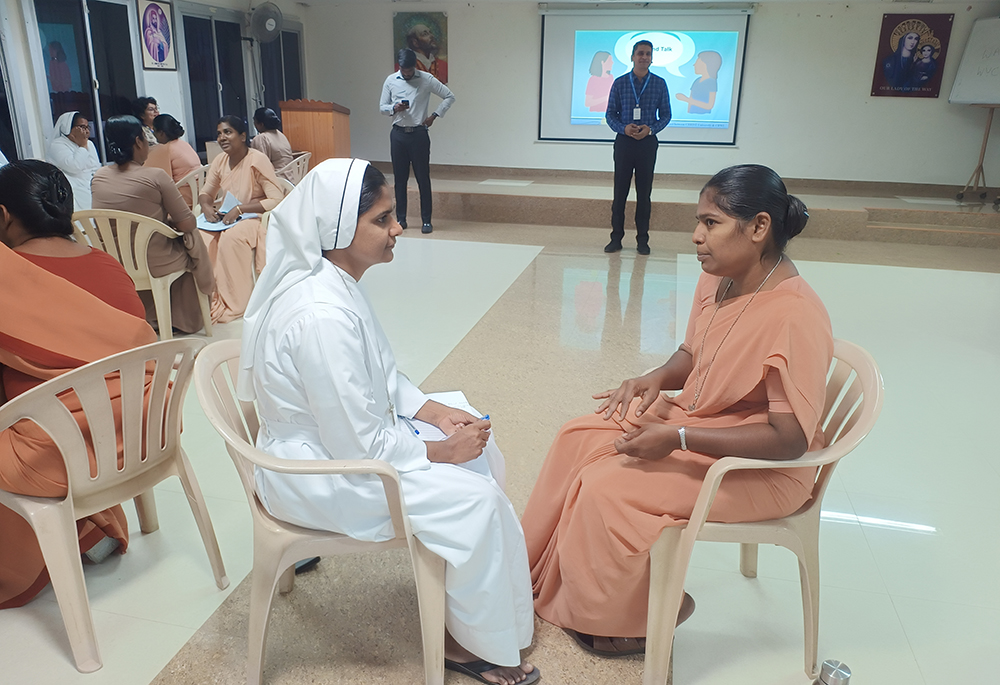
<point x="978" y="178"/>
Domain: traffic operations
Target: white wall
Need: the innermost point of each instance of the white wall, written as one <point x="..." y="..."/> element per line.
<point x="806" y="108"/>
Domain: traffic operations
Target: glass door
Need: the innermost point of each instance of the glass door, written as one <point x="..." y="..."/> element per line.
<point x="113" y="64"/>
<point x="65" y="48"/>
<point x="8" y="141"/>
<point x="214" y="51"/>
<point x="281" y="69"/>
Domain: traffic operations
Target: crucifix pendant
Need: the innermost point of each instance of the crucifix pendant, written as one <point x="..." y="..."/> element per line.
<point x="392" y="412"/>
<point x="691" y="407"/>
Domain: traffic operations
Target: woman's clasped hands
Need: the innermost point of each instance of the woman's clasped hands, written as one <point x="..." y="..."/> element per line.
<point x="467" y="434"/>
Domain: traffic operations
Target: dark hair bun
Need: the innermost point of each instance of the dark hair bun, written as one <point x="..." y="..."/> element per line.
<point x="39" y="195"/>
<point x="796" y="218"/>
<point x="120" y="134"/>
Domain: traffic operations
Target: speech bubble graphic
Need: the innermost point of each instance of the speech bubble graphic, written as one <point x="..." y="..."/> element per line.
<point x="670" y="50"/>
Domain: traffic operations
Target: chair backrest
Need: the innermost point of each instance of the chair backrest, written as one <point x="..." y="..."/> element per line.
<point x="216" y="371"/>
<point x="212" y="150"/>
<point x="123" y="235"/>
<point x="854" y="397"/>
<point x="286" y="185"/>
<point x="297" y="168"/>
<point x="194" y="181"/>
<point x="149" y="382"/>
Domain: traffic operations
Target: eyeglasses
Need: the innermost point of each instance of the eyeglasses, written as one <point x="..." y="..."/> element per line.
<point x="85" y="127"/>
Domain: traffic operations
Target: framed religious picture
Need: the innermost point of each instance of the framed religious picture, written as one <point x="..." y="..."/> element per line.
<point x="156" y="24"/>
<point x="426" y="33"/>
<point x="911" y="52"/>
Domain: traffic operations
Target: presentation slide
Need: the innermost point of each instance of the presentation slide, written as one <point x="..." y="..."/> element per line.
<point x="700" y="58"/>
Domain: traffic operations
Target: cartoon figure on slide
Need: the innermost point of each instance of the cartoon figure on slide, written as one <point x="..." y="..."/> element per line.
<point x="703" y="90"/>
<point x="599" y="84"/>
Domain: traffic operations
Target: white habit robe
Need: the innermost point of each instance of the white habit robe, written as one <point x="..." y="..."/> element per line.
<point x="327" y="388"/>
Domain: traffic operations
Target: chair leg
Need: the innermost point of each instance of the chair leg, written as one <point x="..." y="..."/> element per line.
<point x="161" y="302"/>
<point x="263" y="580"/>
<point x="145" y="509"/>
<point x="206" y="312"/>
<point x="748" y="559"/>
<point x="809" y="577"/>
<point x="60" y="546"/>
<point x="666" y="591"/>
<point x="286" y="583"/>
<point x="201" y="517"/>
<point x="429" y="570"/>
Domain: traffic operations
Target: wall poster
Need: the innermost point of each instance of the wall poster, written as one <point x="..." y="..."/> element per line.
<point x="426" y="33"/>
<point x="911" y="52"/>
<point x="156" y="22"/>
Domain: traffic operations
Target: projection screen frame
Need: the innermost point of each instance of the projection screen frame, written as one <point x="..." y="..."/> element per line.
<point x="739" y="10"/>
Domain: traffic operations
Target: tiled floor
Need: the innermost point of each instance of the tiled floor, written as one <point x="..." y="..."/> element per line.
<point x="529" y="321"/>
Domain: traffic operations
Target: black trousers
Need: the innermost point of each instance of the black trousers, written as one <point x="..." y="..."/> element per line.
<point x="411" y="149"/>
<point x="638" y="157"/>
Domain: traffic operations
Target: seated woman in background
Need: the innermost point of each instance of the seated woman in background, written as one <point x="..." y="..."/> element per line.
<point x="249" y="176"/>
<point x="146" y="110"/>
<point x="71" y="150"/>
<point x="174" y="155"/>
<point x="272" y="142"/>
<point x="752" y="375"/>
<point x="128" y="186"/>
<point x="315" y="358"/>
<point x="64" y="305"/>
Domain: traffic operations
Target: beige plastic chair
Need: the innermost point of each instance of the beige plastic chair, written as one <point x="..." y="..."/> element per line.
<point x="297" y="168"/>
<point x="100" y="227"/>
<point x="195" y="181"/>
<point x="853" y="402"/>
<point x="152" y="453"/>
<point x="212" y="150"/>
<point x="286" y="185"/>
<point x="278" y="545"/>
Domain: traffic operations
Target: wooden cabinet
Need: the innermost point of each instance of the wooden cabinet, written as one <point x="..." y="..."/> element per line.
<point x="322" y="128"/>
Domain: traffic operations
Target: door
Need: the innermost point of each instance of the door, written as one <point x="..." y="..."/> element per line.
<point x="216" y="75"/>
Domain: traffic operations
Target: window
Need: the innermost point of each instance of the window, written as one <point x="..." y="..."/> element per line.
<point x="281" y="69"/>
<point x="216" y="75"/>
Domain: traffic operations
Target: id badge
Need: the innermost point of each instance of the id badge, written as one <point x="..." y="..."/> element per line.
<point x="636" y="114"/>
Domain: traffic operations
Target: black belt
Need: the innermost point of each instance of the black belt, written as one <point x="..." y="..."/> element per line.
<point x="409" y="129"/>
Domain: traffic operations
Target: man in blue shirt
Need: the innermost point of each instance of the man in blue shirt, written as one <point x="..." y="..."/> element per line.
<point x="638" y="109"/>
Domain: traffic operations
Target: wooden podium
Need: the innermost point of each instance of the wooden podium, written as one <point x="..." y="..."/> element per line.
<point x="322" y="128"/>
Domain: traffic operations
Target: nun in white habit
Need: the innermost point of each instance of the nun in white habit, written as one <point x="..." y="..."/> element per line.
<point x="324" y="377"/>
<point x="70" y="149"/>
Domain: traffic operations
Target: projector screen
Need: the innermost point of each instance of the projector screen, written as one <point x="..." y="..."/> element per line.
<point x="699" y="55"/>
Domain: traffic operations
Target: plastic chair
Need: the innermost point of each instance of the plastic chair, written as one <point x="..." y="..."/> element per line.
<point x="297" y="168"/>
<point x="286" y="185"/>
<point x="100" y="228"/>
<point x="278" y="545"/>
<point x="194" y="181"/>
<point x="854" y="396"/>
<point x="152" y="453"/>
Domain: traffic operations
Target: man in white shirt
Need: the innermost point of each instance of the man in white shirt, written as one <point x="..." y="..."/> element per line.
<point x="406" y="98"/>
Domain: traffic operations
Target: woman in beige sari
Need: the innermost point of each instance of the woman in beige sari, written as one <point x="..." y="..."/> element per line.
<point x="272" y="142"/>
<point x="174" y="154"/>
<point x="236" y="248"/>
<point x="129" y="186"/>
<point x="751" y="374"/>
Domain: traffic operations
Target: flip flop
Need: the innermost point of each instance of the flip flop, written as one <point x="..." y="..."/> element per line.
<point x="587" y="643"/>
<point x="474" y="669"/>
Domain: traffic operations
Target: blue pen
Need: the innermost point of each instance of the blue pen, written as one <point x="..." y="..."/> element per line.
<point x="485" y="418"/>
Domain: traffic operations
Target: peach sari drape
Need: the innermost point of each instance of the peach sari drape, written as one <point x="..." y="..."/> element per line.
<point x="240" y="248"/>
<point x="49" y="326"/>
<point x="594" y="514"/>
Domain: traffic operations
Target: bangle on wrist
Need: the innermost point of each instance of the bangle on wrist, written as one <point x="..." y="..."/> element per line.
<point x="683" y="437"/>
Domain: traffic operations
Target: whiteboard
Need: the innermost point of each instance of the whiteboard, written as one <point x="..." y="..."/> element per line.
<point x="978" y="79"/>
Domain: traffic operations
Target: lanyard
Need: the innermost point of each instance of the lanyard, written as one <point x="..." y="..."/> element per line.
<point x="631" y="78"/>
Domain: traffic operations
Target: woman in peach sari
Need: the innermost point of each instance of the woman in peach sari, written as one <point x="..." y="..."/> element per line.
<point x="238" y="244"/>
<point x="173" y="154"/>
<point x="751" y="374"/>
<point x="65" y="305"/>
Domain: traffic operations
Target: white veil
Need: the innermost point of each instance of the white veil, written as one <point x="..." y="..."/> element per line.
<point x="321" y="213"/>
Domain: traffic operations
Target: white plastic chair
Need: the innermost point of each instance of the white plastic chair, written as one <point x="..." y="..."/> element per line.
<point x="152" y="453"/>
<point x="194" y="181"/>
<point x="854" y="396"/>
<point x="278" y="545"/>
<point x="297" y="168"/>
<point x="286" y="185"/>
<point x="100" y="227"/>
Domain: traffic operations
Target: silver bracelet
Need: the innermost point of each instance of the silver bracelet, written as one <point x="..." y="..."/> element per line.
<point x="683" y="437"/>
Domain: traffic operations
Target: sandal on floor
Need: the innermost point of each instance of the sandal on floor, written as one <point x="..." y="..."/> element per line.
<point x="587" y="643"/>
<point x="474" y="669"/>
